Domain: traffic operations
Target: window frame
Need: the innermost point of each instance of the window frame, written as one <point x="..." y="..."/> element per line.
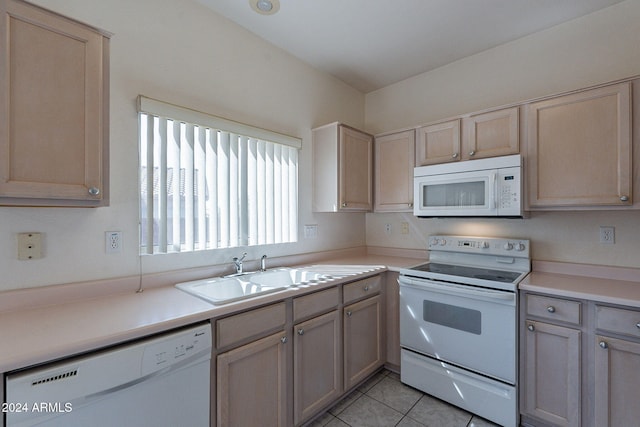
<point x="248" y="149"/>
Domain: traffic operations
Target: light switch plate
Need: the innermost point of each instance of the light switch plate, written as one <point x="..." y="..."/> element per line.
<point x="310" y="231"/>
<point x="29" y="246"/>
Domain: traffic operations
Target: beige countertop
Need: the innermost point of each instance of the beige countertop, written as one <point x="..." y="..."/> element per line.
<point x="65" y="326"/>
<point x="30" y="336"/>
<point x="596" y="283"/>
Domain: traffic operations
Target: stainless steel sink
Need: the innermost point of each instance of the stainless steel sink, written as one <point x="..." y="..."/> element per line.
<point x="224" y="290"/>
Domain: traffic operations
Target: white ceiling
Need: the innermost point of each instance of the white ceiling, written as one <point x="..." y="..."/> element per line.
<point x="370" y="44"/>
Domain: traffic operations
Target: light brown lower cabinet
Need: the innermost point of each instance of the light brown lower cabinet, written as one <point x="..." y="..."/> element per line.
<point x="552" y="373"/>
<point x="252" y="383"/>
<point x="284" y="363"/>
<point x="317" y="365"/>
<point x="617" y="377"/>
<point x="362" y="339"/>
<point x="580" y="363"/>
<point x="392" y="319"/>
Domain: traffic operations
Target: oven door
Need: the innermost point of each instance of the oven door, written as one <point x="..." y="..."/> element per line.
<point x="474" y="328"/>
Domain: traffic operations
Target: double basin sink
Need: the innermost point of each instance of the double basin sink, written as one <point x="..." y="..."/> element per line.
<point x="224" y="290"/>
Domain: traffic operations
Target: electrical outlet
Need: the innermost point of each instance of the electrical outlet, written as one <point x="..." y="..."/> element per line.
<point x="387" y="228"/>
<point x="607" y="235"/>
<point x="113" y="242"/>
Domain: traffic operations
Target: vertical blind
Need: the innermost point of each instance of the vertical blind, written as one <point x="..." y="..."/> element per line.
<point x="208" y="183"/>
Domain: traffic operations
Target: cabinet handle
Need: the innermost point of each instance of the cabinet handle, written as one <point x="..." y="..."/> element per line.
<point x="344" y="204"/>
<point x="410" y="205"/>
<point x="551" y="309"/>
<point x="283" y="340"/>
<point x="366" y="288"/>
<point x="349" y="313"/>
<point x="455" y="155"/>
<point x="472" y="153"/>
<point x="94" y="191"/>
<point x="624" y="198"/>
<point x="638" y="325"/>
<point x="300" y="331"/>
<point x="531" y="328"/>
<point x="603" y="344"/>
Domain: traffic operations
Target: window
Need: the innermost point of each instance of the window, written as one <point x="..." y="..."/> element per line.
<point x="207" y="182"/>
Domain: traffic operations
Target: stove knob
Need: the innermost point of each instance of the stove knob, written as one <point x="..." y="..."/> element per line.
<point x="484" y="245"/>
<point x="443" y="242"/>
<point x="520" y="247"/>
<point x="434" y="242"/>
<point x="508" y="246"/>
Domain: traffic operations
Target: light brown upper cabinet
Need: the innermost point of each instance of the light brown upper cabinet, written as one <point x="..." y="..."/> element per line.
<point x="54" y="106"/>
<point x="342" y="169"/>
<point x="394" y="163"/>
<point x="579" y="149"/>
<point x="438" y="143"/>
<point x="490" y="134"/>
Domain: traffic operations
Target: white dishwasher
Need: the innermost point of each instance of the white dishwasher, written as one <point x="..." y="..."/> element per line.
<point x="159" y="381"/>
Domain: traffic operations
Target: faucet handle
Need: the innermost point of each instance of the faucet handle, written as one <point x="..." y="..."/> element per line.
<point x="235" y="258"/>
<point x="263" y="263"/>
<point x="238" y="263"/>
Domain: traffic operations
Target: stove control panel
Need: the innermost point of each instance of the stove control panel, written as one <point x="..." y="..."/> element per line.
<point x="480" y="245"/>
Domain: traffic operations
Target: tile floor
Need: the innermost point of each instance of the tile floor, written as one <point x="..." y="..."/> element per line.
<point x="383" y="401"/>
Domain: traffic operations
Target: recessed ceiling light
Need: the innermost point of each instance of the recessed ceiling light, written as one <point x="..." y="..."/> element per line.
<point x="265" y="7"/>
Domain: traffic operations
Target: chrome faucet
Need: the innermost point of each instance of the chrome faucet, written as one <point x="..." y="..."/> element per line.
<point x="238" y="263"/>
<point x="263" y="263"/>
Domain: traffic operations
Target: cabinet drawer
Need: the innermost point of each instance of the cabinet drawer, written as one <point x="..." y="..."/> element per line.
<point x="618" y="320"/>
<point x="251" y="324"/>
<point x="315" y="303"/>
<point x="554" y="309"/>
<point x="361" y="289"/>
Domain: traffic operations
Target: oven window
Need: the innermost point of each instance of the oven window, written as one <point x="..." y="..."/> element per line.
<point x="463" y="319"/>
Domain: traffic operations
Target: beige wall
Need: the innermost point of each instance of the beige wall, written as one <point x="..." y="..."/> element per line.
<point x="180" y="52"/>
<point x="555" y="236"/>
<point x="597" y="48"/>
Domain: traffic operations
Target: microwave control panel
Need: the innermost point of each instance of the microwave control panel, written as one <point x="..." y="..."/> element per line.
<point x="509" y="191"/>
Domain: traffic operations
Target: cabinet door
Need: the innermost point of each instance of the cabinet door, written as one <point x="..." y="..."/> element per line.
<point x="552" y="373"/>
<point x="394" y="163"/>
<point x="356" y="161"/>
<point x="491" y="134"/>
<point x="617" y="375"/>
<point x="579" y="149"/>
<point x="362" y="340"/>
<point x="53" y="113"/>
<point x="251" y="384"/>
<point x="317" y="364"/>
<point x="438" y="143"/>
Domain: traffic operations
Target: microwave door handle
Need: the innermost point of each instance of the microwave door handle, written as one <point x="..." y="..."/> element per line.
<point x="494" y="184"/>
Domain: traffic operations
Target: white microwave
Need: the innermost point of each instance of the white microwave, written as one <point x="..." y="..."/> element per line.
<point x="482" y="188"/>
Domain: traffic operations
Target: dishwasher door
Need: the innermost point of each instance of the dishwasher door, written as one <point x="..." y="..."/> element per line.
<point x="160" y="381"/>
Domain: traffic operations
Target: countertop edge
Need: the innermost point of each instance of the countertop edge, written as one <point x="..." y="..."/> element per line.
<point x="612" y="285"/>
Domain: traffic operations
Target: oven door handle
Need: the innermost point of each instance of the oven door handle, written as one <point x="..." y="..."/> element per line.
<point x="460" y="290"/>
